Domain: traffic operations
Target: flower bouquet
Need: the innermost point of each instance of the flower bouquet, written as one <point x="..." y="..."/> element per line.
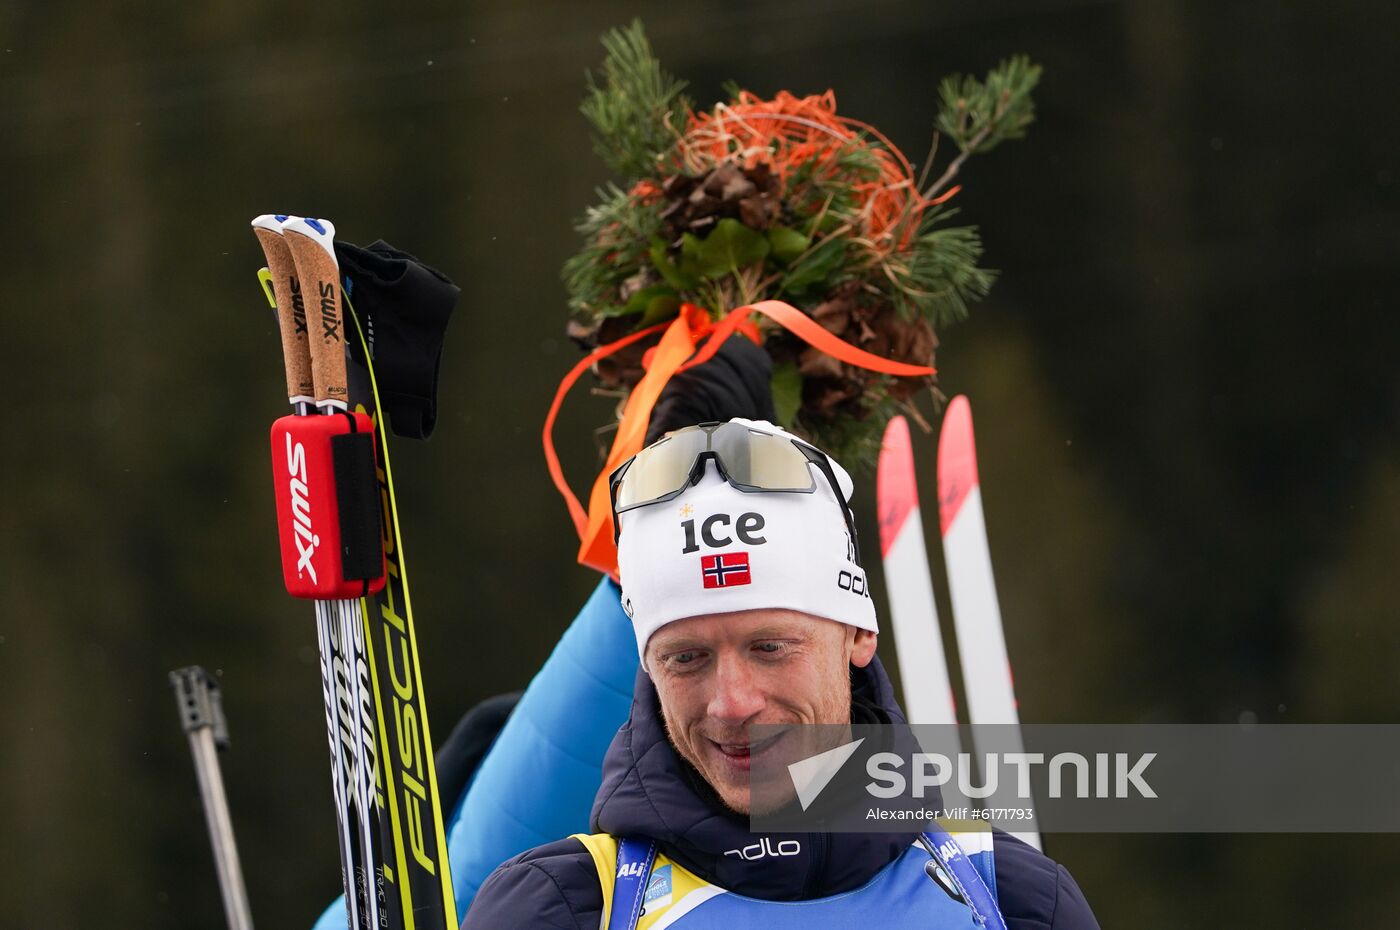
<point x="783" y="199"/>
<point x="806" y="230"/>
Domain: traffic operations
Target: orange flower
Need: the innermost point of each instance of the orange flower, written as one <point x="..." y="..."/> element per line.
<point x="788" y="131"/>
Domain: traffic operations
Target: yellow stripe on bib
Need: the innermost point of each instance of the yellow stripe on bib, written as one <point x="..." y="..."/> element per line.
<point x="670" y="887"/>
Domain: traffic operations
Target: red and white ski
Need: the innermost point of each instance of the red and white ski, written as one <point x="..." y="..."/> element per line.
<point x="918" y="642"/>
<point x="986" y="667"/>
<point x="981" y="644"/>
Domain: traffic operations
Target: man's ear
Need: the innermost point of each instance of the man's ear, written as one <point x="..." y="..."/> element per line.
<point x="863" y="649"/>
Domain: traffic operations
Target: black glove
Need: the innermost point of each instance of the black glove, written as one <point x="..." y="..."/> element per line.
<point x="736" y="382"/>
<point x="403" y="305"/>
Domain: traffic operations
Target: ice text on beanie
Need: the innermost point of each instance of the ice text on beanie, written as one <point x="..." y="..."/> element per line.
<point x="746" y="528"/>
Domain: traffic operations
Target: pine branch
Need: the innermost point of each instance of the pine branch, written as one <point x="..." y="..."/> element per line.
<point x="616" y="234"/>
<point x="978" y="116"/>
<point x="628" y="110"/>
<point x="938" y="276"/>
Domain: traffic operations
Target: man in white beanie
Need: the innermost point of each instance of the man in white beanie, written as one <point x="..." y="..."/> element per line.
<point x="740" y="571"/>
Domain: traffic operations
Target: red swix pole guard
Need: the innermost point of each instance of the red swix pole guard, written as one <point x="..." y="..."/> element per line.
<point x="328" y="521"/>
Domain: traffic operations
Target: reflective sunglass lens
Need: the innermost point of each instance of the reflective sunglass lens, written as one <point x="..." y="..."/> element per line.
<point x="761" y="460"/>
<point x="660" y="469"/>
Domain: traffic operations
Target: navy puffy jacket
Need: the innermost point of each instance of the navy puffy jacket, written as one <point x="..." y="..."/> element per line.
<point x="648" y="791"/>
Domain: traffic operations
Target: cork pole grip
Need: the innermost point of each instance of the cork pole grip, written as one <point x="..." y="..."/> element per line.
<point x="291" y="311"/>
<point x="319" y="274"/>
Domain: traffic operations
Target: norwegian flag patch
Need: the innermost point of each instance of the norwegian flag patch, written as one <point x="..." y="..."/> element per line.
<point x="726" y="569"/>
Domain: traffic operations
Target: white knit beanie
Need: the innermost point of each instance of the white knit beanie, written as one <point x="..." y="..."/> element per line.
<point x="715" y="549"/>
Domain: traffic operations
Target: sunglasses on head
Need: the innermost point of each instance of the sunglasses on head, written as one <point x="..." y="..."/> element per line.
<point x="750" y="460"/>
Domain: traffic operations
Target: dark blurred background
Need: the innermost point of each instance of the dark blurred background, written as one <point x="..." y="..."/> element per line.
<point x="1185" y="390"/>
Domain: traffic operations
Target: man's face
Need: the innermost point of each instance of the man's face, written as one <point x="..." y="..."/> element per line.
<point x="718" y="674"/>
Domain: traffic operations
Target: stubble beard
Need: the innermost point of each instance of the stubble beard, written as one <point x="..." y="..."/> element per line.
<point x="739" y="801"/>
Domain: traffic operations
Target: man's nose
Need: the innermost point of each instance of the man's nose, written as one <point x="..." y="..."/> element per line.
<point x="737" y="693"/>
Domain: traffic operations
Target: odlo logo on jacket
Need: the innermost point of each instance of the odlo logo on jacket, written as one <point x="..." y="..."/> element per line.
<point x="765" y="848"/>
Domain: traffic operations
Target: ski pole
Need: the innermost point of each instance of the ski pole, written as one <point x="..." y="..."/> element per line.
<point x="338" y="523"/>
<point x="309" y="387"/>
<point x="202" y="716"/>
<point x="311" y="243"/>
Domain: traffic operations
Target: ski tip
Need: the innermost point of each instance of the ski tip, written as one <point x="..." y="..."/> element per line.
<point x="318" y="230"/>
<point x="896" y="491"/>
<point x="957" y="461"/>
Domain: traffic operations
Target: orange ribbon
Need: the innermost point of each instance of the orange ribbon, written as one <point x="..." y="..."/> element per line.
<point x="676" y="352"/>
